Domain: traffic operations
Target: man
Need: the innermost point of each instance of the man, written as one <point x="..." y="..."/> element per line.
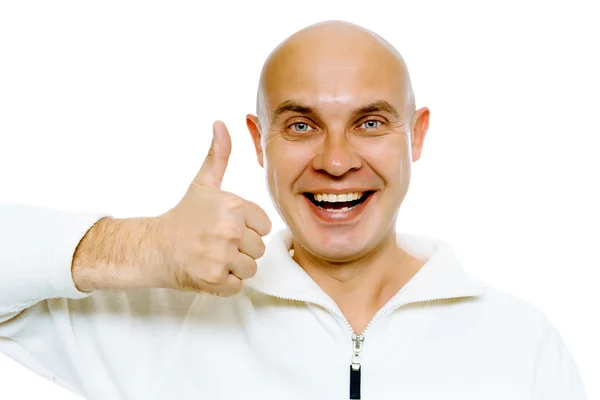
<point x="340" y="305"/>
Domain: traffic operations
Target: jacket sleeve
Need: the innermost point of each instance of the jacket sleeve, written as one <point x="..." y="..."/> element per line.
<point x="85" y="342"/>
<point x="557" y="375"/>
<point x="36" y="252"/>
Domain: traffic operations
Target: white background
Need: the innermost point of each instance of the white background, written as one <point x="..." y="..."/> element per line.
<point x="108" y="106"/>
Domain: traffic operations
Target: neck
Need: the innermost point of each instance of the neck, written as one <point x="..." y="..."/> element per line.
<point x="362" y="286"/>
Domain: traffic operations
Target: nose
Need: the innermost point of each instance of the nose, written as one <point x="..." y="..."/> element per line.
<point x="336" y="156"/>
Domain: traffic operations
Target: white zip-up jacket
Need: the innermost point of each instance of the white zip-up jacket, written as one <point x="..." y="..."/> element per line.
<point x="444" y="335"/>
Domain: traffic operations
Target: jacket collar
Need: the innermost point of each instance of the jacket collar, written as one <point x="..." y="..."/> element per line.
<point x="441" y="276"/>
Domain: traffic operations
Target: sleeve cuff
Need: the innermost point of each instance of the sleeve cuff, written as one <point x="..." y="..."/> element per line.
<point x="37" y="253"/>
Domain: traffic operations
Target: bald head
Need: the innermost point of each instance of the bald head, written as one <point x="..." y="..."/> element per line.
<point x="336" y="115"/>
<point x="327" y="50"/>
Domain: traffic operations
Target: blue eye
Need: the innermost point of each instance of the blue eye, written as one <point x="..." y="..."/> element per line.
<point x="371" y="124"/>
<point x="300" y="126"/>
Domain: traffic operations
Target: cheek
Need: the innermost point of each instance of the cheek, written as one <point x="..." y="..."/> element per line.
<point x="390" y="159"/>
<point x="284" y="163"/>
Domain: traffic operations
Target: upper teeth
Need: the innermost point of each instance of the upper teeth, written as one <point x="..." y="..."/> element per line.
<point x="332" y="198"/>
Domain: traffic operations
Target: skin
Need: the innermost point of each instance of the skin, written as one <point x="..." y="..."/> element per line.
<point x="325" y="140"/>
<point x="185" y="248"/>
<point x="347" y="124"/>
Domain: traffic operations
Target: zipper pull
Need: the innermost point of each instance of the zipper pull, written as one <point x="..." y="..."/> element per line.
<point x="355" y="367"/>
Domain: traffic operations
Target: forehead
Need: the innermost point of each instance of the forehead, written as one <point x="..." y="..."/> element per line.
<point x="329" y="76"/>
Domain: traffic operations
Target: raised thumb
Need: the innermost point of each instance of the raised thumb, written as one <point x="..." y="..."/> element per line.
<point x="213" y="169"/>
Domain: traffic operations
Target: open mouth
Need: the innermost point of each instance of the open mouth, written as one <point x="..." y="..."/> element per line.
<point x="338" y="202"/>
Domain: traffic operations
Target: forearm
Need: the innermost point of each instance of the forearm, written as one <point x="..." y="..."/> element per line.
<point x="118" y="254"/>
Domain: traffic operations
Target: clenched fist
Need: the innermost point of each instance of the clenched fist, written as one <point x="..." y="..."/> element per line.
<point x="212" y="238"/>
<point x="207" y="243"/>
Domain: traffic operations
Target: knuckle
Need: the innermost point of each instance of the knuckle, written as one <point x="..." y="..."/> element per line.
<point x="261" y="249"/>
<point x="235" y="288"/>
<point x="258" y="249"/>
<point x="258" y="209"/>
<point x="265" y="221"/>
<point x="269" y="224"/>
<point x="211" y="152"/>
<point x="252" y="269"/>
<point x="214" y="275"/>
<point x="230" y="231"/>
<point x="254" y="207"/>
<point x="232" y="202"/>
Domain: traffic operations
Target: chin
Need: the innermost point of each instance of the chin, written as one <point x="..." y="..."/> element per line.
<point x="342" y="246"/>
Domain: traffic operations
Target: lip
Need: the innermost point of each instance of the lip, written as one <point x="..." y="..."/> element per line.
<point x="339" y="217"/>
<point x="338" y="191"/>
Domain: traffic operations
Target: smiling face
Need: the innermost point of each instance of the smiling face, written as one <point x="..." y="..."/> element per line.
<point x="334" y="130"/>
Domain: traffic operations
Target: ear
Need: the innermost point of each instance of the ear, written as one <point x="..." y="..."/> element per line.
<point x="420" y="124"/>
<point x="254" y="129"/>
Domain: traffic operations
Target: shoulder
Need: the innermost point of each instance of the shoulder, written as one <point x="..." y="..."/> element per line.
<point x="512" y="316"/>
<point x="507" y="304"/>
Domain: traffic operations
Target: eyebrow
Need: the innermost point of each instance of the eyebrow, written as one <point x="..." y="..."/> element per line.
<point x="291" y="106"/>
<point x="294" y="106"/>
<point x="377" y="106"/>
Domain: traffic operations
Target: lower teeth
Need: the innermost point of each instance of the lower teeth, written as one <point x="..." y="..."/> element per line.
<point x="343" y="209"/>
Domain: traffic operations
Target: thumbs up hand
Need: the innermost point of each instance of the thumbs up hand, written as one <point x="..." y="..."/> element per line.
<point x="210" y="240"/>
